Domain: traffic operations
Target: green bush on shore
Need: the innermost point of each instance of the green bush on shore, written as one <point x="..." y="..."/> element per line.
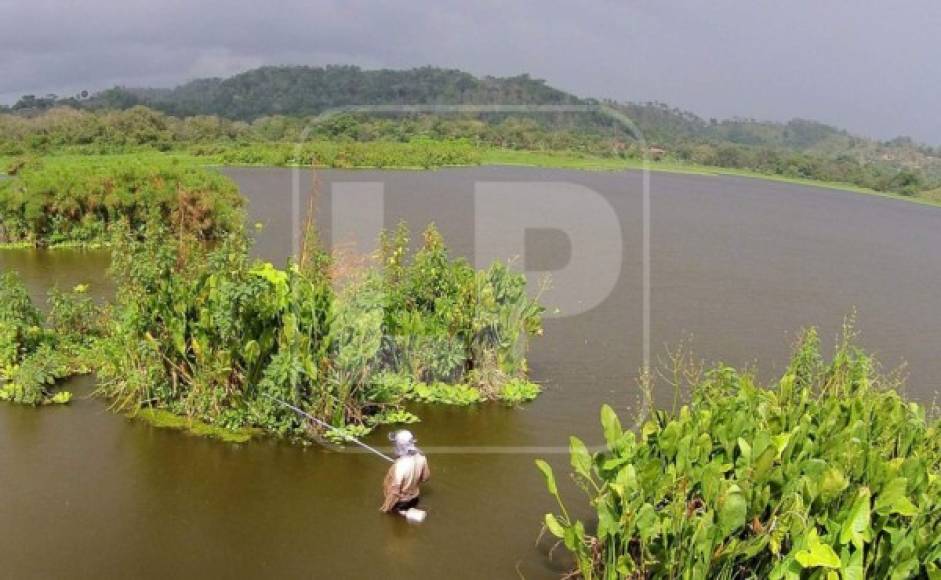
<point x="830" y="474"/>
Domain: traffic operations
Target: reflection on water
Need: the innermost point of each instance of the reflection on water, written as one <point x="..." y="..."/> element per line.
<point x="737" y="264"/>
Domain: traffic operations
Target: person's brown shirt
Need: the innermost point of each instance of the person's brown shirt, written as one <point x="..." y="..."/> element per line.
<point x="403" y="478"/>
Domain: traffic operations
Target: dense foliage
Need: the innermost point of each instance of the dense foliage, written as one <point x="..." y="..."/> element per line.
<point x="830" y="474"/>
<point x="37" y="350"/>
<point x="76" y="202"/>
<point x="206" y="332"/>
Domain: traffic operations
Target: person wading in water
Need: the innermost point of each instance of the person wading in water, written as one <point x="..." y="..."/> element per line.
<point x="404" y="477"/>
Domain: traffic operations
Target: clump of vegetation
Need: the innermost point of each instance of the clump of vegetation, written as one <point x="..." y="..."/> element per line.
<point x="422" y="153"/>
<point x="58" y="202"/>
<point x="829" y="474"/>
<point x="206" y="333"/>
<point x="38" y="351"/>
<point x="167" y="420"/>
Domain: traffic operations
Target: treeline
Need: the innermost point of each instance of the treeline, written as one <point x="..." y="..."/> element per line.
<point x="128" y="130"/>
<point x="799" y="148"/>
<point x="879" y="176"/>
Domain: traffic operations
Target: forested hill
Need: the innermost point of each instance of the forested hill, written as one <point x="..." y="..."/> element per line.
<point x="304" y="91"/>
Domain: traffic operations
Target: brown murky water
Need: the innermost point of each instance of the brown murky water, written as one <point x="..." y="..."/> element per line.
<point x="737" y="264"/>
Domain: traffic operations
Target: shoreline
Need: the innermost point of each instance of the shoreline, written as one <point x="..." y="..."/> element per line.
<point x="511" y="158"/>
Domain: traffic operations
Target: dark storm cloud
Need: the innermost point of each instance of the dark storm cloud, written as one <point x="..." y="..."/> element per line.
<point x="869" y="66"/>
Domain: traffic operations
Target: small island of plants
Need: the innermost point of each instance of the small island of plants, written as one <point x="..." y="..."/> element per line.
<point x="199" y="330"/>
<point x="62" y="201"/>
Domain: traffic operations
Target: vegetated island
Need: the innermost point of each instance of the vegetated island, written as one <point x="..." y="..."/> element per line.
<point x="199" y="335"/>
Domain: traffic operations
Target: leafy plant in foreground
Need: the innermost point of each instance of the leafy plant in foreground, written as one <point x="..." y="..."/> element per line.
<point x="829" y="474"/>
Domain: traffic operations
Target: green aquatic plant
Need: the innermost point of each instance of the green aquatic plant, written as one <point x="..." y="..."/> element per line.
<point x="167" y="420"/>
<point x="442" y="393"/>
<point x="519" y="391"/>
<point x="75" y="202"/>
<point x="36" y="351"/>
<point x="20" y="321"/>
<point x="830" y="473"/>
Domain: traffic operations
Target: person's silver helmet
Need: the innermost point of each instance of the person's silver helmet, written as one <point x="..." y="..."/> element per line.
<point x="404" y="442"/>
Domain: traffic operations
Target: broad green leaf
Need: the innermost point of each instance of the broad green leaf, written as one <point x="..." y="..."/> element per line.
<point x="832" y="483"/>
<point x="581" y="459"/>
<point x="733" y="510"/>
<point x="607" y="522"/>
<point x="816" y="554"/>
<point x="765" y="462"/>
<point x="555" y="528"/>
<point x="781" y="441"/>
<point x="626" y="480"/>
<point x="611" y="425"/>
<point x="904" y="569"/>
<point x="550" y="477"/>
<point x="892" y="499"/>
<point x="649" y="428"/>
<point x="647" y="522"/>
<point x="856" y="527"/>
<point x="853" y="569"/>
<point x="574" y="536"/>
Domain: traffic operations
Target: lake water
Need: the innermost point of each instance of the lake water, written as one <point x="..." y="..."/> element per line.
<point x="737" y="266"/>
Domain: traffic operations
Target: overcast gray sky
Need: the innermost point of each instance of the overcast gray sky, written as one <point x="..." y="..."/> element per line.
<point x="873" y="67"/>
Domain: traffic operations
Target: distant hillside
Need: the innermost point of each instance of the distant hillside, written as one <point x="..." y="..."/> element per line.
<point x="305" y="91"/>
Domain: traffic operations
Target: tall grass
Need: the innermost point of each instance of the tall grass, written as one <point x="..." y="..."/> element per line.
<point x="68" y="201"/>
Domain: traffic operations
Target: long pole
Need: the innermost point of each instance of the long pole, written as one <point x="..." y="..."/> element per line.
<point x="331" y="428"/>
